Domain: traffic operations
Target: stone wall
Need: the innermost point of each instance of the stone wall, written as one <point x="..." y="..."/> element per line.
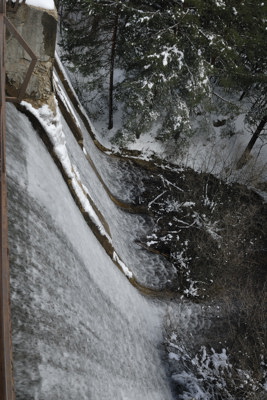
<point x="38" y="28"/>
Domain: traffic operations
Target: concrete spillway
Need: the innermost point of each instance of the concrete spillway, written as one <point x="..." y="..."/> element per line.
<point x="80" y="330"/>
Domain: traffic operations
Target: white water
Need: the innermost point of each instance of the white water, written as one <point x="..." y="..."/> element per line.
<point x="80" y="330"/>
<point x="125" y="182"/>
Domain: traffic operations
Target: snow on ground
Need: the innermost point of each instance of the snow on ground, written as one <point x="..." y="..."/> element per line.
<point x="46" y="4"/>
<point x="211" y="149"/>
<point x="214" y="153"/>
<point x="218" y="153"/>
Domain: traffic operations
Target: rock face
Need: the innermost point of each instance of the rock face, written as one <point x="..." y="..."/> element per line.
<point x="38" y="28"/>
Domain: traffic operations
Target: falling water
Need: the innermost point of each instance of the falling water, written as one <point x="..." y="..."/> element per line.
<point x="80" y="330"/>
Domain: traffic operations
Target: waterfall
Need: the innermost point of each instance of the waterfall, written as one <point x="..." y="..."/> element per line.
<point x="80" y="330"/>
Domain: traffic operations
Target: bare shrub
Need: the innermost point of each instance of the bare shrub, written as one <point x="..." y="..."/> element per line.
<point x="225" y="358"/>
<point x="245" y="314"/>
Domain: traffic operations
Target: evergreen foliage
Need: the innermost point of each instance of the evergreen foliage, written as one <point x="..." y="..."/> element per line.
<point x="170" y="55"/>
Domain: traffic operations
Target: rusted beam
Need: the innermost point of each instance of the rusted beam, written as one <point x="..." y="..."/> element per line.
<point x="11" y="99"/>
<point x="6" y="373"/>
<point x="2" y="42"/>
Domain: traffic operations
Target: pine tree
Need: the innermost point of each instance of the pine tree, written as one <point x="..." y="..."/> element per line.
<point x="89" y="43"/>
<point x="172" y="54"/>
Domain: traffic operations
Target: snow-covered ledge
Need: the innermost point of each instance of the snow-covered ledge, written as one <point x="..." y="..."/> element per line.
<point x="36" y="22"/>
<point x="44" y="4"/>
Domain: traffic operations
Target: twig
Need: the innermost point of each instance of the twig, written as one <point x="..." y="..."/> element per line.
<point x="220" y="97"/>
<point x="156" y="198"/>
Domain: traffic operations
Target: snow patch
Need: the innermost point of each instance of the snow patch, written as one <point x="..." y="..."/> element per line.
<point x="125" y="270"/>
<point x="46" y="4"/>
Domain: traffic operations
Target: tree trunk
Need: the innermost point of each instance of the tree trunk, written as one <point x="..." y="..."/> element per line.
<point x="244" y="158"/>
<point x="111" y="71"/>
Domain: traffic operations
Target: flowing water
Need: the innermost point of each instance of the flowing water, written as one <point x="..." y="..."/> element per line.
<point x="125" y="182"/>
<point x="80" y="330"/>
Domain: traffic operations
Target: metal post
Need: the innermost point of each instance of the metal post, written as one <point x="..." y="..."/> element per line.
<point x="6" y="373"/>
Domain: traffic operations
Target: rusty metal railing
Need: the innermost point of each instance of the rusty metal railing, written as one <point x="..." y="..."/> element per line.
<point x="6" y="373"/>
